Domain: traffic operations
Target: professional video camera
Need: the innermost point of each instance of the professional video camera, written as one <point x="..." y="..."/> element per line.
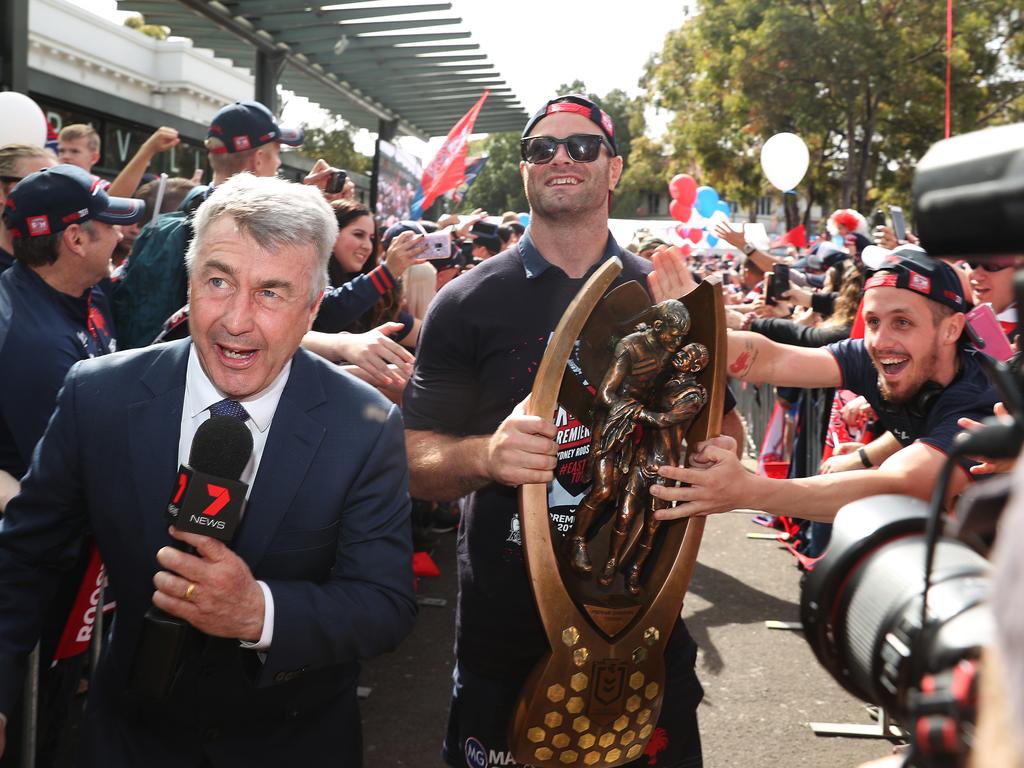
<point x="896" y="610"/>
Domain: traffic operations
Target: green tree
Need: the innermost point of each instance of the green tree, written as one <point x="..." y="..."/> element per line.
<point x="861" y="81"/>
<point x="499" y="187"/>
<point x="334" y="144"/>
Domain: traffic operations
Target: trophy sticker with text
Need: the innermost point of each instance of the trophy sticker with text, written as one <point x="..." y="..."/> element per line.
<point x="634" y="385"/>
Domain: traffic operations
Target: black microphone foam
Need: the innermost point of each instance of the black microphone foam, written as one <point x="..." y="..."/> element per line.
<point x="221" y="447"/>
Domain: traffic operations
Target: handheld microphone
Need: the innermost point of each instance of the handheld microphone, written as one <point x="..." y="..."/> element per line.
<point x="208" y="499"/>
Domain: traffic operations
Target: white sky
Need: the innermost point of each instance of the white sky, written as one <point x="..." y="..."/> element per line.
<point x="536" y="45"/>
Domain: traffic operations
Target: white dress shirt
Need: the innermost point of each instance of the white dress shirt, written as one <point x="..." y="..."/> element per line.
<point x="200" y="394"/>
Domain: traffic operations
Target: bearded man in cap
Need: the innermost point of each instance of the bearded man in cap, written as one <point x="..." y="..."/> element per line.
<point x="911" y="366"/>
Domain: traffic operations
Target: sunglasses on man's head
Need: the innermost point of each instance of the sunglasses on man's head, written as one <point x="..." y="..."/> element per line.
<point x="990" y="266"/>
<point x="582" y="148"/>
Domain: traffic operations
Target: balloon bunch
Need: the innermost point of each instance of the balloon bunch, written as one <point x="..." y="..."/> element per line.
<point x="695" y="208"/>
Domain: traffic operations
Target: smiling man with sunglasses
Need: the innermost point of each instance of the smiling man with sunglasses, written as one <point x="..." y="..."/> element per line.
<point x="481" y="342"/>
<point x="992" y="282"/>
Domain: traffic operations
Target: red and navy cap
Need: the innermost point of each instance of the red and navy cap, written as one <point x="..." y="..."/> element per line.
<point x="247" y="125"/>
<point x="579" y="105"/>
<point x="50" y="200"/>
<point x="909" y="267"/>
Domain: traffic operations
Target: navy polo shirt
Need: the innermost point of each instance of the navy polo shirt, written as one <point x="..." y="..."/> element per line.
<point x="931" y="419"/>
<point x="481" y="343"/>
<point x="6" y="260"/>
<point x="43" y="332"/>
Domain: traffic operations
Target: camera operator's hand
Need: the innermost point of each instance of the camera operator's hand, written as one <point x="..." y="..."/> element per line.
<point x="318" y="177"/>
<point x="885" y="237"/>
<point x="989" y="466"/>
<point x="717" y="482"/>
<point x="522" y="450"/>
<point x="671" y="277"/>
<point x="404" y="251"/>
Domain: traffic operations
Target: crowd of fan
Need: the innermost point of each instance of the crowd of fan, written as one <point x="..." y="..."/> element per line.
<point x="903" y="374"/>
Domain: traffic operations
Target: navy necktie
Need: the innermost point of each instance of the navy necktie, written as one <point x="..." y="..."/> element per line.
<point x="231" y="408"/>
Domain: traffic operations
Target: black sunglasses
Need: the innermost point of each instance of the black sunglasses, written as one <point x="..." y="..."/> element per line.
<point x="989" y="266"/>
<point x="582" y="148"/>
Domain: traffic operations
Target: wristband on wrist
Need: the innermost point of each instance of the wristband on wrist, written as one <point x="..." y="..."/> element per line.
<point x="748" y="249"/>
<point x="864" y="459"/>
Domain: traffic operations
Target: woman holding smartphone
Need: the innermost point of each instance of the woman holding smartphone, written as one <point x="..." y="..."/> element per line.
<point x="360" y="319"/>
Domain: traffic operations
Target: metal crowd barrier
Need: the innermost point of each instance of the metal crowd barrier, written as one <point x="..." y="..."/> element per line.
<point x="756" y="403"/>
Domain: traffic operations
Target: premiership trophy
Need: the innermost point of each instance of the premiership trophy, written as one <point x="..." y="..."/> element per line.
<point x="648" y="382"/>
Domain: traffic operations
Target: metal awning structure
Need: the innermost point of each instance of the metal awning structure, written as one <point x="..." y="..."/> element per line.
<point x="393" y="68"/>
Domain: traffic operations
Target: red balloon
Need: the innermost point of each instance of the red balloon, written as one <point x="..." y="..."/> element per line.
<point x="681" y="230"/>
<point x="696" y="235"/>
<point x="680" y="211"/>
<point x="686" y="249"/>
<point x="683" y="188"/>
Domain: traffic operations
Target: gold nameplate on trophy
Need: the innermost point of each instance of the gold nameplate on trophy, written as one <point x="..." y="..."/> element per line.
<point x="647" y="382"/>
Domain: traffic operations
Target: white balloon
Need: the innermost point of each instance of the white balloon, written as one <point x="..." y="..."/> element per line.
<point x="23" y="121"/>
<point x="784" y="158"/>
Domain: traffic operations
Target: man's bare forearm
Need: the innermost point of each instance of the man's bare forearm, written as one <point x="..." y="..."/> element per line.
<point x="755" y="358"/>
<point x="822" y="496"/>
<point x="445" y="467"/>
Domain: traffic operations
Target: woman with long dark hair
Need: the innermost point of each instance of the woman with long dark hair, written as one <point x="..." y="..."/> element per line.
<point x="360" y="320"/>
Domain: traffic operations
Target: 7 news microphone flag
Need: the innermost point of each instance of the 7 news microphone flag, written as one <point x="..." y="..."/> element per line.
<point x="447" y="169"/>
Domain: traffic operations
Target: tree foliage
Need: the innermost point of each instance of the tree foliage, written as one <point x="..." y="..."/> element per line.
<point x="499" y="187"/>
<point x="334" y="144"/>
<point x="861" y="81"/>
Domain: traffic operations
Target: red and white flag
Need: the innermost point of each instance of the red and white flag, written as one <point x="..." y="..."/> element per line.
<point x="446" y="171"/>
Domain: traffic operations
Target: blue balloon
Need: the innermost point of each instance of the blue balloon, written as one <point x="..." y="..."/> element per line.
<point x="706" y="201"/>
<point x="724" y="207"/>
<point x="712" y="240"/>
<point x="524" y="219"/>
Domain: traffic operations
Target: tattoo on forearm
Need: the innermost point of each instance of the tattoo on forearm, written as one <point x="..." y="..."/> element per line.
<point x="743" y="364"/>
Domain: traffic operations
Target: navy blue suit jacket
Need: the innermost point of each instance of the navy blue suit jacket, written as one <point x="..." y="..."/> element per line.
<point x="326" y="527"/>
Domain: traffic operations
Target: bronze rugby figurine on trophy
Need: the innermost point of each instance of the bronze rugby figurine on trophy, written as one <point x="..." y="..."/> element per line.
<point x="648" y="382"/>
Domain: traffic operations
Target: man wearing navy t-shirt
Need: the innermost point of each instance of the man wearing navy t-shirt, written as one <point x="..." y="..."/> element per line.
<point x="467" y="432"/>
<point x="911" y="366"/>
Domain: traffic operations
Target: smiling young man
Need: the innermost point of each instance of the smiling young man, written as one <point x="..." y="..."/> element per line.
<point x="911" y="367"/>
<point x="319" y="574"/>
<point x="468" y="434"/>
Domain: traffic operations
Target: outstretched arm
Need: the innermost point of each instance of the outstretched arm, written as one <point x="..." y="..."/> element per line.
<point x="754" y="358"/>
<point x="719" y="483"/>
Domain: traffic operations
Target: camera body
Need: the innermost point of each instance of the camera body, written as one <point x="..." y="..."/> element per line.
<point x="862" y="605"/>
